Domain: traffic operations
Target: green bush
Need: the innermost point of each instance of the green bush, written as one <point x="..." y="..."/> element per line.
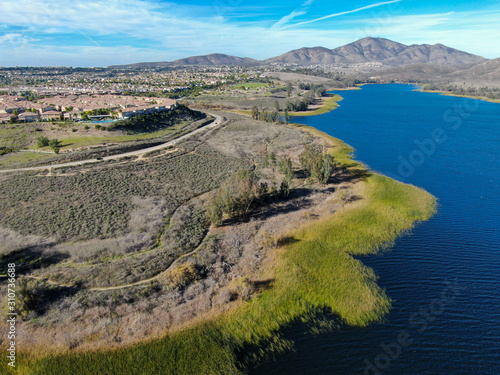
<point x="318" y="163"/>
<point x="42" y="141"/>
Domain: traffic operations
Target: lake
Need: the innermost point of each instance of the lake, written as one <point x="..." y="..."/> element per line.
<point x="444" y="277"/>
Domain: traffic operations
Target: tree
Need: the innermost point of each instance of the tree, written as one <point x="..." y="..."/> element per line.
<point x="55" y="145"/>
<point x="285" y="188"/>
<point x="42" y="141"/>
<point x="272" y="157"/>
<point x="326" y="168"/>
<point x="318" y="163"/>
<point x="286" y="168"/>
<point x="286" y="117"/>
<point x="215" y="210"/>
<point x="289" y="89"/>
<point x="234" y="197"/>
<point x="255" y="113"/>
<point x="277" y="106"/>
<point x="29" y="297"/>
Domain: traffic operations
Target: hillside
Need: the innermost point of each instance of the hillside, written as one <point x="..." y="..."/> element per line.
<point x="487" y="73"/>
<point x="378" y="50"/>
<point x="366" y="50"/>
<point x="206" y="60"/>
<point x="216" y="59"/>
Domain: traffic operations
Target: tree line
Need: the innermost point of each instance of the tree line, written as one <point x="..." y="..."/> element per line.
<point x="243" y="191"/>
<point x="299" y="105"/>
<point x="43" y="141"/>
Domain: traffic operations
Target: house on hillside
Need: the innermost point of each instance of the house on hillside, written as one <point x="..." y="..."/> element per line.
<point x="73" y="115"/>
<point x="5" y="118"/>
<point x="51" y="115"/>
<point x="47" y="108"/>
<point x="28" y="117"/>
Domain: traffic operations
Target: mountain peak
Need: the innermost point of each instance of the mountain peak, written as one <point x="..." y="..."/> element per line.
<point x="365" y="50"/>
<point x="381" y="50"/>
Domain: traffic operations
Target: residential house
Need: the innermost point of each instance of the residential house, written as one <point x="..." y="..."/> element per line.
<point x="28" y="117"/>
<point x="51" y="115"/>
<point x="73" y="115"/>
<point x="47" y="108"/>
<point x="5" y="118"/>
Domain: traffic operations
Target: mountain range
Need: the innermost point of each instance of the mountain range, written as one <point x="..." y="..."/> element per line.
<point x="366" y="50"/>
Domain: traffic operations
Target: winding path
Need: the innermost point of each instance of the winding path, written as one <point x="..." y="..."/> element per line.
<point x="215" y="123"/>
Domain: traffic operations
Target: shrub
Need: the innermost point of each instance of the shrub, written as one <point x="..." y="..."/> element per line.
<point x="55" y="145"/>
<point x="234" y="197"/>
<point x="318" y="163"/>
<point x="29" y="296"/>
<point x="182" y="275"/>
<point x="286" y="168"/>
<point x="42" y="141"/>
<point x="6" y="150"/>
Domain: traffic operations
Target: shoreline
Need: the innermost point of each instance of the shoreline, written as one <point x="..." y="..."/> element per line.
<point x="328" y="103"/>
<point x="449" y="93"/>
<point x="297" y="274"/>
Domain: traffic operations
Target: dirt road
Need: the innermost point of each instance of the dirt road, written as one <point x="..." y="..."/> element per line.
<point x="173" y="142"/>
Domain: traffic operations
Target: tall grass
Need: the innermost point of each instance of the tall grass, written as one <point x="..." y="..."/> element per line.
<point x="316" y="271"/>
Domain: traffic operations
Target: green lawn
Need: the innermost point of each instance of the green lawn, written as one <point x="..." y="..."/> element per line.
<point x="22" y="157"/>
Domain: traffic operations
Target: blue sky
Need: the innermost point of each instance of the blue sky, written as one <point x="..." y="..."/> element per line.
<point x="105" y="32"/>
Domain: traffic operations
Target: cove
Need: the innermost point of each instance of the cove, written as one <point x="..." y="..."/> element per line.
<point x="444" y="277"/>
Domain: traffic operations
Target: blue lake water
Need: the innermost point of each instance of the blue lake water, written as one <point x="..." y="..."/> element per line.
<point x="443" y="278"/>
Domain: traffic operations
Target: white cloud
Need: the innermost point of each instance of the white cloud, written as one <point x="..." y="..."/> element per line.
<point x="14" y="40"/>
<point x="169" y="34"/>
<point x="474" y="32"/>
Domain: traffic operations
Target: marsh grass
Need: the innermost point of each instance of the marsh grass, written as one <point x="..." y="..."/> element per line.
<point x="314" y="272"/>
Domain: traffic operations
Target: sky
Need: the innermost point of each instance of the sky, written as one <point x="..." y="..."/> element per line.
<point x="105" y="32"/>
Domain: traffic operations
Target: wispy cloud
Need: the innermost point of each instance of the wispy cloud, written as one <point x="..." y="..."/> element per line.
<point x="297" y="12"/>
<point x="343" y="13"/>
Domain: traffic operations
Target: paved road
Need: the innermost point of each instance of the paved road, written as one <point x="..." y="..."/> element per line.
<point x="215" y="123"/>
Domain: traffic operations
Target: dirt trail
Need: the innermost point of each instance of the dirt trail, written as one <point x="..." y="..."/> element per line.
<point x="215" y="123"/>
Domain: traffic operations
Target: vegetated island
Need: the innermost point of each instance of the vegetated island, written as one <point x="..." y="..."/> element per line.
<point x="191" y="259"/>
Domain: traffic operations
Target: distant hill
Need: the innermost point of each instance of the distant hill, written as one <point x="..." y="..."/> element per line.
<point x="378" y="50"/>
<point x="306" y="56"/>
<point x="365" y="50"/>
<point x="207" y="60"/>
<point x="484" y="74"/>
<point x="216" y="59"/>
<point x="418" y="72"/>
<point x="488" y="73"/>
